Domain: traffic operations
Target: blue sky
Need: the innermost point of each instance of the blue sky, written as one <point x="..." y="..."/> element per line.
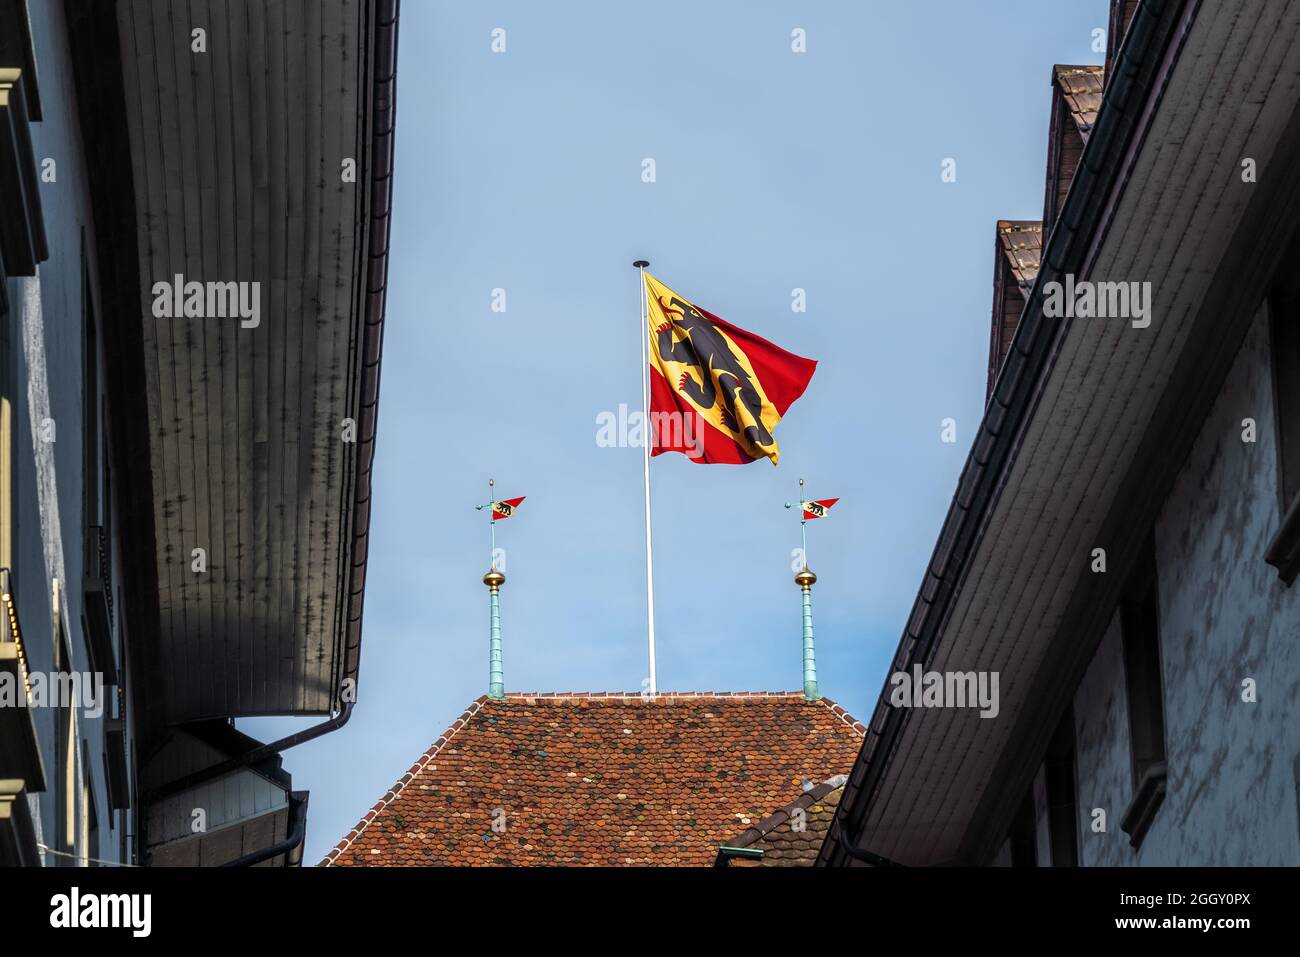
<point x="774" y="171"/>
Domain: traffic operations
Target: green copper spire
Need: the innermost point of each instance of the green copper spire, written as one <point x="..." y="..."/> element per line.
<point x="805" y="579"/>
<point x="494" y="580"/>
<point x="496" y="676"/>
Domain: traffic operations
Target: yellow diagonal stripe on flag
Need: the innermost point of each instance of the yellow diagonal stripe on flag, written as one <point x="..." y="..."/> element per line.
<point x="661" y="311"/>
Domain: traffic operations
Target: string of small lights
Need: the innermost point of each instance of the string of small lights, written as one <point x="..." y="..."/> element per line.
<point x="11" y="614"/>
<point x="79" y="858"/>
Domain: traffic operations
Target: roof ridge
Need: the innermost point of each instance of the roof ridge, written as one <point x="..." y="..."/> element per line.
<point x="844" y="716"/>
<point x="646" y="696"/>
<point x="835" y="709"/>
<point x="392" y="794"/>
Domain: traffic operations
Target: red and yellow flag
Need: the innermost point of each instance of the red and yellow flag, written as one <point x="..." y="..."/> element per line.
<point x="506" y="507"/>
<point x="716" y="391"/>
<point x="817" y="508"/>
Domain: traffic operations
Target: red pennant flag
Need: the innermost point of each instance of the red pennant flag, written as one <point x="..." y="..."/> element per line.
<point x="506" y="507"/>
<point x="819" y="508"/>
<point x="716" y="391"/>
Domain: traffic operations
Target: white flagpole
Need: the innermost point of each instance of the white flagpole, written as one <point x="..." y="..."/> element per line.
<point x="640" y="264"/>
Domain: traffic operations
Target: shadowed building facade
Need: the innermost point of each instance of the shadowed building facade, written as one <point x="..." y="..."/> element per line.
<point x="1123" y="542"/>
<point x="194" y="220"/>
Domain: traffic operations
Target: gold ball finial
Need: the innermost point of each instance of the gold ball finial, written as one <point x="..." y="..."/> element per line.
<point x="494" y="579"/>
<point x="805" y="578"/>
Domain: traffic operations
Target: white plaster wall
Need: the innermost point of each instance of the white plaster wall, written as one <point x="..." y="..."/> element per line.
<point x="1102" y="764"/>
<point x="1224" y="617"/>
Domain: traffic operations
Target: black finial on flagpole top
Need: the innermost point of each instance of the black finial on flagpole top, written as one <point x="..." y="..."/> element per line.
<point x="641" y="264"/>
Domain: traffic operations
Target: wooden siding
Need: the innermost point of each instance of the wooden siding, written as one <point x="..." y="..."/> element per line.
<point x="227" y="800"/>
<point x="237" y="155"/>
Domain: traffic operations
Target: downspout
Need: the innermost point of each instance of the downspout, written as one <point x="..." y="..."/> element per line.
<point x="1033" y="349"/>
<point x="297" y="831"/>
<point x="253" y="756"/>
<point x="384" y="116"/>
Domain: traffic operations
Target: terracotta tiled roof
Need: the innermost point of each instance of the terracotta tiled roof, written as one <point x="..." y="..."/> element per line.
<point x="1076" y="98"/>
<point x="1022" y="244"/>
<point x="574" y="779"/>
<point x="1081" y="87"/>
<point x="1019" y="247"/>
<point x="792" y="835"/>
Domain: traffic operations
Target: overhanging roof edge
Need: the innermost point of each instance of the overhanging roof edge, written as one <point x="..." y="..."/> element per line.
<point x="1015" y="392"/>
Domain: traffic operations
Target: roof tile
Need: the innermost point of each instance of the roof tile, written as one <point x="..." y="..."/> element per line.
<point x="792" y="835"/>
<point x="1022" y="244"/>
<point x="1081" y="87"/>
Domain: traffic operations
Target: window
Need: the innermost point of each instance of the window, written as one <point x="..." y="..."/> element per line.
<point x="1284" y="327"/>
<point x="1044" y="831"/>
<point x="1062" y="805"/>
<point x="1140" y="630"/>
<point x="91" y="448"/>
<point x="1024" y="848"/>
<point x="8" y="376"/>
<point x="66" y="823"/>
<point x="89" y="829"/>
<point x="1283" y="306"/>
